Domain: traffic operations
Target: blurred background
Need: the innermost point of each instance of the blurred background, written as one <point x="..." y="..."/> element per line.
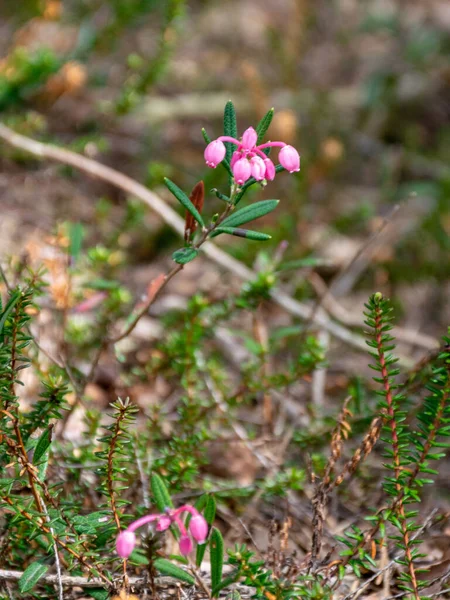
<point x="361" y="88"/>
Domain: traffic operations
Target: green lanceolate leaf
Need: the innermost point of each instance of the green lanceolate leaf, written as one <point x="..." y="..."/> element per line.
<point x="184" y="255"/>
<point x="216" y="553"/>
<point x="184" y="200"/>
<point x="159" y="490"/>
<point x="165" y="567"/>
<point x="42" y="445"/>
<point x="250" y="213"/>
<point x="229" y="127"/>
<point x="205" y="136"/>
<point x="244" y="233"/>
<point x="76" y="235"/>
<point x="264" y="125"/>
<point x="210" y="510"/>
<point x="209" y="504"/>
<point x="8" y="308"/>
<point x="31" y="576"/>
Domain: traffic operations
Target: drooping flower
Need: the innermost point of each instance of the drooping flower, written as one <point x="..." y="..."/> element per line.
<point x="241" y="171"/>
<point x="289" y="159"/>
<point x="198" y="529"/>
<point x="270" y="169"/>
<point x="258" y="168"/>
<point x="125" y="543"/>
<point x="186" y="545"/>
<point x="215" y="153"/>
<point x="249" y="160"/>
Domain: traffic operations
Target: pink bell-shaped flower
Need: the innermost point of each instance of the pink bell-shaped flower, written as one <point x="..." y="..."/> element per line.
<point x="198" y="528"/>
<point x="289" y="159"/>
<point x="258" y="168"/>
<point x="249" y="139"/>
<point x="241" y="171"/>
<point x="270" y="169"/>
<point x="186" y="545"/>
<point x="214" y="153"/>
<point x="125" y="543"/>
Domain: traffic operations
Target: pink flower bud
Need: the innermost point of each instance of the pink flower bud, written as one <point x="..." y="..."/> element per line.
<point x="163" y="523"/>
<point x="258" y="168"/>
<point x="185" y="545"/>
<point x="214" y="153"/>
<point x="270" y="169"/>
<point x="289" y="159"/>
<point x="241" y="171"/>
<point x="199" y="529"/>
<point x="249" y="139"/>
<point x="126" y="540"/>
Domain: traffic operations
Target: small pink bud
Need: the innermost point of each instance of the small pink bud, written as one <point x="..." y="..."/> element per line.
<point x="241" y="171"/>
<point x="163" y="523"/>
<point x="185" y="545"/>
<point x="258" y="168"/>
<point x="215" y="153"/>
<point x="270" y="169"/>
<point x="289" y="159"/>
<point x="199" y="529"/>
<point x="126" y="541"/>
<point x="249" y="139"/>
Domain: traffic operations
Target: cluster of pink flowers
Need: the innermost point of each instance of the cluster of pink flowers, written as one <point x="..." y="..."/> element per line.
<point x="198" y="528"/>
<point x="249" y="159"/>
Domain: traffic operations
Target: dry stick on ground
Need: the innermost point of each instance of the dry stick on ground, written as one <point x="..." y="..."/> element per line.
<point x="360" y="252"/>
<point x="132" y="187"/>
<point x="80" y="581"/>
<point x="336" y="310"/>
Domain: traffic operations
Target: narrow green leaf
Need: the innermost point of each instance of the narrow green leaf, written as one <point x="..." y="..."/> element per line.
<point x="216" y="553"/>
<point x="165" y="567"/>
<point x="102" y="284"/>
<point x="264" y="125"/>
<point x="183" y="199"/>
<point x="42" y="445"/>
<point x="184" y="255"/>
<point x="230" y="127"/>
<point x="250" y="213"/>
<point x="301" y="263"/>
<point x="8" y="308"/>
<point x="31" y="576"/>
<point x="205" y="136"/>
<point x="43" y="465"/>
<point x="76" y="235"/>
<point x="210" y="514"/>
<point x="160" y="493"/>
<point x="210" y="509"/>
<point x="244" y="233"/>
